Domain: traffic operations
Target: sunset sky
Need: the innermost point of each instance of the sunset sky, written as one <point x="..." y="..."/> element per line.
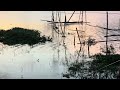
<point x="29" y="19"/>
<point x="32" y="19"/>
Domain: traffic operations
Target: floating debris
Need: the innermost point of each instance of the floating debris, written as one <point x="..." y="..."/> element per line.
<point x="21" y="76"/>
<point x="38" y="60"/>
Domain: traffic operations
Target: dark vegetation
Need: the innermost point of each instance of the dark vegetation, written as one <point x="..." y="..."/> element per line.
<point x="22" y="36"/>
<point x="101" y="67"/>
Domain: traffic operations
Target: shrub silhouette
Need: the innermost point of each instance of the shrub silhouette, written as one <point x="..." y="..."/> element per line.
<point x="22" y="36"/>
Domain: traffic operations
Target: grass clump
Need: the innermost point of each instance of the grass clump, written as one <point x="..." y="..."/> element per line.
<point x="101" y="67"/>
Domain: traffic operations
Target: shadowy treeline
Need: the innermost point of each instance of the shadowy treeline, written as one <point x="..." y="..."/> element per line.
<point x="22" y="36"/>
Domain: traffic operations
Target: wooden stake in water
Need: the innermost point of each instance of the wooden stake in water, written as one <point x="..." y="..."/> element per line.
<point x="52" y="24"/>
<point x="64" y="26"/>
<point x="107" y="35"/>
<point x="82" y="17"/>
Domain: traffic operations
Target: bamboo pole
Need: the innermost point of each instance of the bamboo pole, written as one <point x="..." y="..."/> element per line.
<point x="107" y="35"/>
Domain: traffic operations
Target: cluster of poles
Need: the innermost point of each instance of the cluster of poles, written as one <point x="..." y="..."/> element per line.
<point x="59" y="26"/>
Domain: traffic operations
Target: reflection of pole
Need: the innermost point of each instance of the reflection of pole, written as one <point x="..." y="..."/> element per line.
<point x="79" y="39"/>
<point x="52" y="34"/>
<point x="78" y="54"/>
<point x="65" y="49"/>
<point x="88" y="47"/>
<point x="65" y="54"/>
<point x="58" y="52"/>
<point x="78" y="36"/>
<point x="74" y="40"/>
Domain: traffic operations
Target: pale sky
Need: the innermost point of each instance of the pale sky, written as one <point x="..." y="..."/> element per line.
<point x="28" y="19"/>
<point x="32" y="19"/>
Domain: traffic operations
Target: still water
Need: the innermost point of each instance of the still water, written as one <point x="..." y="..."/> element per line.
<point x="47" y="61"/>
